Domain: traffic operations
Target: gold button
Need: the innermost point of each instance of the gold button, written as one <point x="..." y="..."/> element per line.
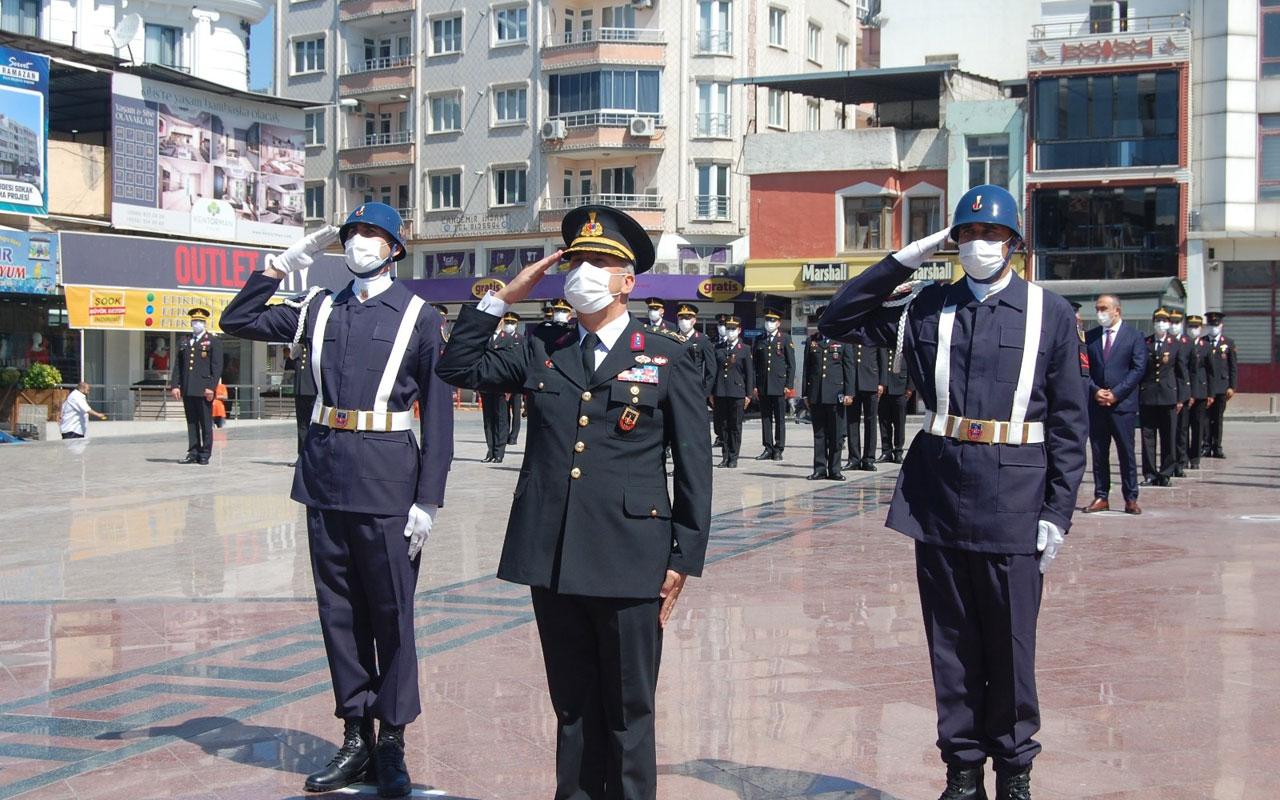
<point x="582" y="421"/>
<point x="579" y="447"/>
<point x="653" y="512"/>
<point x="575" y="473"/>
<point x="541" y="384"/>
<point x="635" y="390"/>
<point x="586" y="397"/>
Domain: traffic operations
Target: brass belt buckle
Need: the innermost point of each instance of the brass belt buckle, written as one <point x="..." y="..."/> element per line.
<point x="342" y="419"/>
<point x="981" y="431"/>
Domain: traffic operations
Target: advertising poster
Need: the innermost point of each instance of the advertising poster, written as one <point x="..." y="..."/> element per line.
<point x="192" y="163"/>
<point x="24" y="132"/>
<point x="28" y="262"/>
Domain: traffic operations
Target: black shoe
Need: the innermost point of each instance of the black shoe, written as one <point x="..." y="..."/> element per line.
<point x="817" y="475"/>
<point x="1014" y="787"/>
<point x="885" y="458"/>
<point x="897" y="456"/>
<point x="724" y="462"/>
<point x="1219" y="454"/>
<point x="189" y="459"/>
<point x="777" y="455"/>
<point x="512" y="441"/>
<point x="835" y="475"/>
<point x="1148" y="482"/>
<point x="497" y="459"/>
<point x="1163" y="480"/>
<point x="203" y="460"/>
<point x="851" y="464"/>
<point x="1178" y="472"/>
<point x="868" y="465"/>
<point x="388" y="756"/>
<point x="717" y="443"/>
<point x="1194" y="465"/>
<point x="765" y="456"/>
<point x="964" y="783"/>
<point x="351" y="761"/>
<point x="486" y="459"/>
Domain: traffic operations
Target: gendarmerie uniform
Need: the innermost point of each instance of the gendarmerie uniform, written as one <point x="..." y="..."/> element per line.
<point x="1198" y="369"/>
<point x="1221" y="375"/>
<point x="496" y="409"/>
<point x="893" y="413"/>
<point x="1003" y="447"/>
<point x="869" y="368"/>
<point x="365" y="461"/>
<point x="197" y="368"/>
<point x="656" y="303"/>
<point x="702" y="347"/>
<point x="1161" y="389"/>
<point x="716" y="346"/>
<point x="1182" y="425"/>
<point x="592" y="528"/>
<point x="304" y="389"/>
<point x="828" y="379"/>
<point x="735" y="381"/>
<point x="774" y="357"/>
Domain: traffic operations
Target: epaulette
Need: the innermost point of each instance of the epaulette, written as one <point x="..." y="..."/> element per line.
<point x="667" y="332"/>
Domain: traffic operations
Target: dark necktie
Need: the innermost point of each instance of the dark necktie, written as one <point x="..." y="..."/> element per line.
<point x="1106" y="345"/>
<point x="589" y="344"/>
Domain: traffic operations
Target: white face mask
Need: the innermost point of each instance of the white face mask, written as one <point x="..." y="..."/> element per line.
<point x="197" y="328"/>
<point x="733" y="334"/>
<point x="1162" y="328"/>
<point x="771" y="326"/>
<point x="1194" y="333"/>
<point x="1215" y="330"/>
<point x="685" y="323"/>
<point x="560" y="316"/>
<point x="364" y="255"/>
<point x="509" y="328"/>
<point x="586" y="287"/>
<point x="981" y="259"/>
<point x="1105" y="318"/>
<point x="720" y="330"/>
<point x="655" y="315"/>
<point x="1176" y="327"/>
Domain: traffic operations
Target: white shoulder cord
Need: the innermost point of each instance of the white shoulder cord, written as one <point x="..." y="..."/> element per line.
<point x="895" y="363"/>
<point x="301" y="305"/>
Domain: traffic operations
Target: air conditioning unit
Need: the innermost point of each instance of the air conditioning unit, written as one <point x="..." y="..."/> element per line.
<point x="359" y="182"/>
<point x="553" y="129"/>
<point x="358" y="108"/>
<point x="642" y="3"/>
<point x="643" y="126"/>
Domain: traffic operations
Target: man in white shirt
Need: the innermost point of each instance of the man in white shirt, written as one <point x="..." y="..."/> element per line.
<point x="75" y="413"/>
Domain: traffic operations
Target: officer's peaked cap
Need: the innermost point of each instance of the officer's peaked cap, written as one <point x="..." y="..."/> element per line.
<point x="604" y="229"/>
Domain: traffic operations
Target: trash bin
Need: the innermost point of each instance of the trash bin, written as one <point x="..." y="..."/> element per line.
<point x="31" y="421"/>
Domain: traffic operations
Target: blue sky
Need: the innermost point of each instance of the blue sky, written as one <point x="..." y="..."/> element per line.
<point x="262" y="41"/>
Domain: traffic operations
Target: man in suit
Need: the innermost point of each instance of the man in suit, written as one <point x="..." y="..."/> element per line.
<point x="496" y="406"/>
<point x="774" y="357"/>
<point x="863" y="410"/>
<point x="370" y="475"/>
<point x="893" y="413"/>
<point x="828" y="390"/>
<point x="988" y="489"/>
<point x="1161" y="393"/>
<point x="1198" y="368"/>
<point x="592" y="529"/>
<point x="197" y="368"/>
<point x="735" y="383"/>
<point x="1117" y="360"/>
<point x="1221" y="372"/>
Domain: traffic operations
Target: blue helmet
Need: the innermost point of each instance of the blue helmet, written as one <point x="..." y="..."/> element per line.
<point x="986" y="203"/>
<point x="379" y="215"/>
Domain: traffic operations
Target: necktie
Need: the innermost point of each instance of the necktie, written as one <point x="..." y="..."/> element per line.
<point x="1106" y="345"/>
<point x="589" y="344"/>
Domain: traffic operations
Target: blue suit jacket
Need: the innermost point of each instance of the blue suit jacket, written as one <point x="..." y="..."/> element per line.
<point x="1122" y="372"/>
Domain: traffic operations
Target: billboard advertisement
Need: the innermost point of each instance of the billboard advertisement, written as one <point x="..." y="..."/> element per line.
<point x="193" y="163"/>
<point x="24" y="132"/>
<point x="28" y="262"/>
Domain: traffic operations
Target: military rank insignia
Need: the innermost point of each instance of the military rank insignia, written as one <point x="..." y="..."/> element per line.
<point x="637" y="341"/>
<point x="591" y="227"/>
<point x="630" y="416"/>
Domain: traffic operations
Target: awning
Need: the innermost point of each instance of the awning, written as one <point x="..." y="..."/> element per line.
<point x="858" y="86"/>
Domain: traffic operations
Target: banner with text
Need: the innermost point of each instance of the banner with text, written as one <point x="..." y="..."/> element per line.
<point x="24" y="132"/>
<point x="28" y="262"/>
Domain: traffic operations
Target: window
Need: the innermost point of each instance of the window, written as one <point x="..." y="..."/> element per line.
<point x="509" y="186"/>
<point x="713" y="27"/>
<point x="868" y="223"/>
<point x="923" y="217"/>
<point x="314" y="200"/>
<point x="777" y="27"/>
<point x="511" y="24"/>
<point x="1100" y="18"/>
<point x="313" y="127"/>
<point x="308" y="55"/>
<point x="1105" y="233"/>
<point x="446" y="190"/>
<point x="1125" y="120"/>
<point x="813" y="49"/>
<point x="842" y="54"/>
<point x="446" y="35"/>
<point x="618" y="22"/>
<point x="164" y="45"/>
<point x="713" y="109"/>
<point x="1269" y="157"/>
<point x="446" y="112"/>
<point x="509" y="105"/>
<point x="988" y="160"/>
<point x="21" y="16"/>
<point x="586" y="186"/>
<point x="712" y="201"/>
<point x="1270" y="39"/>
<point x="606" y="90"/>
<point x="777" y="109"/>
<point x="617" y="181"/>
<point x="813" y="111"/>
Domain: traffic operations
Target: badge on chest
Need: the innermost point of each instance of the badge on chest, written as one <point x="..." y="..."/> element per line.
<point x="647" y="373"/>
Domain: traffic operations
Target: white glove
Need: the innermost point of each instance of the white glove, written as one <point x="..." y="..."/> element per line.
<point x="418" y="528"/>
<point x="299" y="254"/>
<point x="914" y="254"/>
<point x="1048" y="539"/>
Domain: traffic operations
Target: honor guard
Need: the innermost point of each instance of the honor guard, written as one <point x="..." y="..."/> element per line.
<point x="194" y="380"/>
<point x="370" y="475"/>
<point x="774" y="357"/>
<point x="893" y="413"/>
<point x="735" y="383"/>
<point x="657" y="309"/>
<point x="1198" y="368"/>
<point x="863" y="411"/>
<point x="988" y="488"/>
<point x="496" y="406"/>
<point x="592" y="529"/>
<point x="1221" y="376"/>
<point x="1161" y="393"/>
<point x="828" y="389"/>
<point x="703" y="350"/>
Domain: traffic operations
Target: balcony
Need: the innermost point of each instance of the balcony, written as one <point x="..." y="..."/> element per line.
<point x="711" y="207"/>
<point x="377" y="80"/>
<point x="713" y="43"/>
<point x="650" y="202"/>
<point x="1109" y="42"/>
<point x="712" y="126"/>
<point x="599" y="133"/>
<point x="631" y="46"/>
<point x="376" y="151"/>
<point x="349" y="10"/>
<point x="407" y="215"/>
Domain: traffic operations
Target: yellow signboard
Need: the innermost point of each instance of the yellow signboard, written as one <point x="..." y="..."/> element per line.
<point x="719" y="289"/>
<point x="105" y="308"/>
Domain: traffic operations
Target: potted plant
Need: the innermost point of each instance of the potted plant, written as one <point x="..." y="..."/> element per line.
<point x="40" y="388"/>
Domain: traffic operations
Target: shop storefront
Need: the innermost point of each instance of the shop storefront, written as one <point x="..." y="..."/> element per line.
<point x="33" y="318"/>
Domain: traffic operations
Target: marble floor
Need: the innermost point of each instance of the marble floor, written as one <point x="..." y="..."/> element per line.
<point x="158" y="636"/>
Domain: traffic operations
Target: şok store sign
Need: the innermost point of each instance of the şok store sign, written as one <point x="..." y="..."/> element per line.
<point x="192" y="163"/>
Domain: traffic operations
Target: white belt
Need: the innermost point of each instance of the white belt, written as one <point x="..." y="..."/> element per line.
<point x="346" y="420"/>
<point x="983" y="431"/>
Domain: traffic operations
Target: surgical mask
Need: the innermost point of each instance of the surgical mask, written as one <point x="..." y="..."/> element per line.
<point x="733" y="334"/>
<point x="197" y="328"/>
<point x="685" y="323"/>
<point x="982" y="259"/>
<point x="560" y="316"/>
<point x="655" y="315"/>
<point x="1215" y="330"/>
<point x="771" y="326"/>
<point x="364" y="255"/>
<point x="1162" y="328"/>
<point x="1176" y="327"/>
<point x="720" y="330"/>
<point x="1105" y="318"/>
<point x="1194" y="333"/>
<point x="508" y="328"/>
<point x="586" y="287"/>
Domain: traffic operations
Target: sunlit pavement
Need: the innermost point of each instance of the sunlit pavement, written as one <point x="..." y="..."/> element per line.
<point x="159" y="636"/>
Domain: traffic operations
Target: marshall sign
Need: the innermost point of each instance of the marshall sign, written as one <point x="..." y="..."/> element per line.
<point x="834" y="273"/>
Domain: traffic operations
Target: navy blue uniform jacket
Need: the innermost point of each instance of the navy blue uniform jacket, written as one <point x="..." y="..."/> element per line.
<point x="591" y="500"/>
<point x="366" y="472"/>
<point x="1164" y="383"/>
<point x="198" y="367"/>
<point x="978" y="497"/>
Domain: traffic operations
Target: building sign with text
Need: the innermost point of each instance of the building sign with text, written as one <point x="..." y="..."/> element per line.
<point x="831" y="273"/>
<point x="24" y="132"/>
<point x="28" y="262"/>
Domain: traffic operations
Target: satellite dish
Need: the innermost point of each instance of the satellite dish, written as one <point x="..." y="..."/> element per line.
<point x="125" y="30"/>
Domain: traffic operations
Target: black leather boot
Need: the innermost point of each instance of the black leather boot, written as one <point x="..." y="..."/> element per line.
<point x="393" y="776"/>
<point x="351" y="761"/>
<point x="964" y="783"/>
<point x="1014" y="786"/>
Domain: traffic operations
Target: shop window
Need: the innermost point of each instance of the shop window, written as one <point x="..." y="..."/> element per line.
<point x="1100" y="233"/>
<point x="1090" y="121"/>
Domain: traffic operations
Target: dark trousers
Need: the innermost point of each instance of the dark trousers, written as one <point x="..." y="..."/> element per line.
<point x="71" y="435"/>
<point x="827" y="420"/>
<point x="1106" y="427"/>
<point x="497" y="423"/>
<point x="864" y="413"/>
<point x="729" y="413"/>
<point x="773" y="416"/>
<point x="302" y="405"/>
<point x="1213" y="423"/>
<point x="717" y="424"/>
<point x="980" y="614"/>
<point x="199" y="414"/>
<point x="513" y="412"/>
<point x="1182" y="436"/>
<point x="1196" y="423"/>
<point x="602" y="656"/>
<point x="893" y="424"/>
<point x="1158" y="421"/>
<point x="364" y="589"/>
